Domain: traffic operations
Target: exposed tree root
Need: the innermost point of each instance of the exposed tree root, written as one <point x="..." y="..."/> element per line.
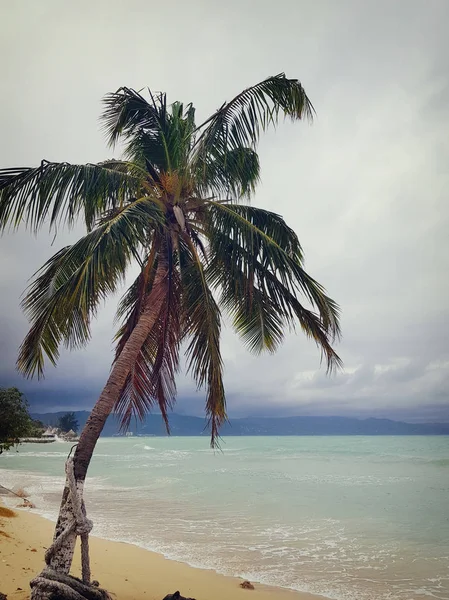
<point x="51" y="585"/>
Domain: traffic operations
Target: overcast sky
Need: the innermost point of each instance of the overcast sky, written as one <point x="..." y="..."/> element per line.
<point x="365" y="186"/>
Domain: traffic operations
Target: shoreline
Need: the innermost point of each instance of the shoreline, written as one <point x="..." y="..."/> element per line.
<point x="128" y="571"/>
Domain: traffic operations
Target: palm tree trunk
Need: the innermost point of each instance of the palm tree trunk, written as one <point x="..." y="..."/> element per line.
<point x="62" y="559"/>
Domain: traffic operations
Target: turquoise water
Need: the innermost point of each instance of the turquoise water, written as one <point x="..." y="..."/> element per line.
<point x="348" y="517"/>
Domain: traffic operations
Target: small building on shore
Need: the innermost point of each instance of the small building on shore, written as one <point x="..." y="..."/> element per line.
<point x="50" y="434"/>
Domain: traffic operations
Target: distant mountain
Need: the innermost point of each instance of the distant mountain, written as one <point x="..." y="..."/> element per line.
<point x="185" y="425"/>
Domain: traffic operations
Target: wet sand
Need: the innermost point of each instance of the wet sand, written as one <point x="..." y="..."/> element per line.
<point x="126" y="571"/>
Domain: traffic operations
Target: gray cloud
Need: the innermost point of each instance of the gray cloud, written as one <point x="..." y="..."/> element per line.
<point x="365" y="187"/>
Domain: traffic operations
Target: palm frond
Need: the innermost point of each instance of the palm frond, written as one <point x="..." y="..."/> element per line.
<point x="67" y="290"/>
<point x="251" y="225"/>
<point x="145" y="148"/>
<point x="127" y="112"/>
<point x="257" y="320"/>
<point x="157" y="135"/>
<point x="232" y="174"/>
<point x="238" y="123"/>
<point x="310" y="322"/>
<point x="61" y="192"/>
<point x="141" y="123"/>
<point x="202" y="327"/>
<point x="254" y="255"/>
<point x="179" y="135"/>
<point x="261" y="311"/>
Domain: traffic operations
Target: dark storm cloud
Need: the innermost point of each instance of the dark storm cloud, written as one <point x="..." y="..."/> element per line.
<point x="365" y="187"/>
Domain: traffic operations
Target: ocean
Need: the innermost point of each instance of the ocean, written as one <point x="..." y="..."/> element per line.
<point x="351" y="518"/>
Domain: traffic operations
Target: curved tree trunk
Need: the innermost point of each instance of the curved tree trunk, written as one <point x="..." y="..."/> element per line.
<point x="62" y="559"/>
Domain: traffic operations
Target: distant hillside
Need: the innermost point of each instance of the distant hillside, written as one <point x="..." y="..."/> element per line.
<point x="185" y="425"/>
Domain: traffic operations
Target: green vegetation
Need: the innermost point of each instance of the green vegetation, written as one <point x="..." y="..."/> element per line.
<point x="68" y="422"/>
<point x="15" y="421"/>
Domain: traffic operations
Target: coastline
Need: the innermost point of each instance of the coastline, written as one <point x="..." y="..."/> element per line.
<point x="127" y="571"/>
<point x="316" y="516"/>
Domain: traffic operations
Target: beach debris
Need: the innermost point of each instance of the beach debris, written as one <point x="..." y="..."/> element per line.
<point x="60" y="585"/>
<point x="26" y="504"/>
<point x="3" y="596"/>
<point x="175" y="596"/>
<point x="247" y="585"/>
<point x="51" y="583"/>
<point x="19" y="492"/>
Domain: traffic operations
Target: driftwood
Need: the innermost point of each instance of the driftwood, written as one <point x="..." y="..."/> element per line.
<point x="58" y="586"/>
<point x="53" y="585"/>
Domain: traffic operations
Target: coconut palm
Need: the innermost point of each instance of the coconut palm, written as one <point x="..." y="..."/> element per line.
<point x="176" y="205"/>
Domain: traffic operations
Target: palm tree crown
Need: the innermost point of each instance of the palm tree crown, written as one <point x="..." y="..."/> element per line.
<point x="175" y="205"/>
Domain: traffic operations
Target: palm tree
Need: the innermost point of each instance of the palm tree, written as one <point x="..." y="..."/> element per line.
<point x="174" y="204"/>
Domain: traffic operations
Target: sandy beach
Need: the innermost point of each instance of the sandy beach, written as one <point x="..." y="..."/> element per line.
<point x="127" y="571"/>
